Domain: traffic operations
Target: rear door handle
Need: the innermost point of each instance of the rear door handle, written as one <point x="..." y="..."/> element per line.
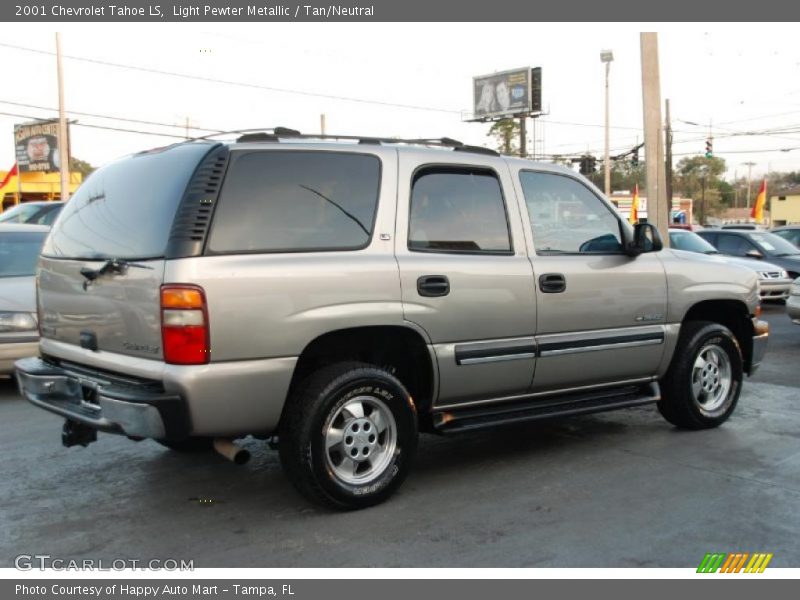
<point x="433" y="285"/>
<point x="552" y="283"/>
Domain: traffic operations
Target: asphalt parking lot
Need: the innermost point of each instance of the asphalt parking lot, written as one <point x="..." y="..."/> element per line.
<point x="620" y="489"/>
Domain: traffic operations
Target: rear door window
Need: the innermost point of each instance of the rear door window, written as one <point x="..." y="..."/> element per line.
<point x="296" y="201"/>
<point x="458" y="210"/>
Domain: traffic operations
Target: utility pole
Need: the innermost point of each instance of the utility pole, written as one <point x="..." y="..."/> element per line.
<point x="322" y="123"/>
<point x="749" y="166"/>
<point x="653" y="142"/>
<point x="668" y="135"/>
<point x="523" y="135"/>
<point x="606" y="57"/>
<point x="63" y="142"/>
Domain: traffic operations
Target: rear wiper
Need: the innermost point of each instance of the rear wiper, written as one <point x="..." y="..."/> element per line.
<point x="112" y="265"/>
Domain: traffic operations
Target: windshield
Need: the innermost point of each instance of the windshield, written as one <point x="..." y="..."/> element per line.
<point x="19" y="253"/>
<point x="21" y="213"/>
<point x="125" y="209"/>
<point x="773" y="245"/>
<point x="691" y="242"/>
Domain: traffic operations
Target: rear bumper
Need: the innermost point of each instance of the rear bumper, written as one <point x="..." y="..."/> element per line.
<point x="760" y="339"/>
<point x="102" y="404"/>
<point x="225" y="399"/>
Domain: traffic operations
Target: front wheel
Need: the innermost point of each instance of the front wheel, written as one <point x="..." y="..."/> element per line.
<point x="348" y="436"/>
<point x="701" y="388"/>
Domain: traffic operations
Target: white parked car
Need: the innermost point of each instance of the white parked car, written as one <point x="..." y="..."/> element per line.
<point x="20" y="246"/>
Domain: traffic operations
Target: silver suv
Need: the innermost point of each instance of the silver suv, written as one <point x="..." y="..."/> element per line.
<point x="342" y="295"/>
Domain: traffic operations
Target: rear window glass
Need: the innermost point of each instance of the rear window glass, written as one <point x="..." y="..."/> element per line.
<point x="126" y="208"/>
<point x="19" y="253"/>
<point x="293" y="201"/>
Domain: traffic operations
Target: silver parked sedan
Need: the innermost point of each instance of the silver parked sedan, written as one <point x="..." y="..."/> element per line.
<point x="773" y="280"/>
<point x="19" y="252"/>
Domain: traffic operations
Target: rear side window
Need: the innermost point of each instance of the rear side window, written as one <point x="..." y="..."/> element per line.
<point x="458" y="210"/>
<point x="294" y="201"/>
<point x="126" y="208"/>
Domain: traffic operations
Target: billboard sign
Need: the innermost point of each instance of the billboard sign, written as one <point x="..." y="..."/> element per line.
<point x="36" y="146"/>
<point x="506" y="94"/>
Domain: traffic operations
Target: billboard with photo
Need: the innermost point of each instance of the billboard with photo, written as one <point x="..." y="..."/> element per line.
<point x="505" y="94"/>
<point x="36" y="146"/>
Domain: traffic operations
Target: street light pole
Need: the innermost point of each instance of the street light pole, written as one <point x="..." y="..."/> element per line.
<point x="607" y="56"/>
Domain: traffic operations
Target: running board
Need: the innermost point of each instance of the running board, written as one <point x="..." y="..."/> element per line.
<point x="535" y="408"/>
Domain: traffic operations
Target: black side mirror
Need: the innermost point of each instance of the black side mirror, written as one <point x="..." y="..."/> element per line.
<point x="645" y="239"/>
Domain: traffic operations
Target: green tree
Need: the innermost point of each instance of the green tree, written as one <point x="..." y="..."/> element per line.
<point x="623" y="175"/>
<point x="700" y="178"/>
<point x="506" y="135"/>
<point x="80" y="166"/>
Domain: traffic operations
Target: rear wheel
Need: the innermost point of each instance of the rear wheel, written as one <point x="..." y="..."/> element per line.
<point x="701" y="388"/>
<point x="348" y="436"/>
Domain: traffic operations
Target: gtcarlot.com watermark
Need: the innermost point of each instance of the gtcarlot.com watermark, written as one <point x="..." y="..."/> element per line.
<point x="45" y="562"/>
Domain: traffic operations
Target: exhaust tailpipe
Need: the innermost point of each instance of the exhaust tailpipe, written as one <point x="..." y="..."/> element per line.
<point x="231" y="451"/>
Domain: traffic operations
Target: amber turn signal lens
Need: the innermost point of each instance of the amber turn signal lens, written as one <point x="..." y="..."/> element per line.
<point x="758" y="311"/>
<point x="181" y="298"/>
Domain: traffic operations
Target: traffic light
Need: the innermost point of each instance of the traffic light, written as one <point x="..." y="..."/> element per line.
<point x="588" y="164"/>
<point x="635" y="158"/>
<point x="709" y="147"/>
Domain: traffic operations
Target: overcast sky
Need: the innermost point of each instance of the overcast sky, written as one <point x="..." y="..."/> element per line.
<point x="741" y="78"/>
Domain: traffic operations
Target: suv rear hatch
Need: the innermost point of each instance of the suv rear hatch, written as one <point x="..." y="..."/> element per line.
<point x="102" y="266"/>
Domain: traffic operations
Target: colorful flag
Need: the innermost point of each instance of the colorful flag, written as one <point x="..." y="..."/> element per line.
<point x="634" y="218"/>
<point x="8" y="176"/>
<point x="758" y="208"/>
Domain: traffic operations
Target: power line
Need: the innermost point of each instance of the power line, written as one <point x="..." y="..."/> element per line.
<point x="232" y="82"/>
<point x="279" y="89"/>
<point x="106" y="127"/>
<point x="111" y="118"/>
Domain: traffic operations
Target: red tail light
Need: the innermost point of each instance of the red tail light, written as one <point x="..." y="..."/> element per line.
<point x="184" y="325"/>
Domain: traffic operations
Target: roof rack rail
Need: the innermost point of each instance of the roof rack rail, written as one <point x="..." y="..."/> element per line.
<point x="274" y="134"/>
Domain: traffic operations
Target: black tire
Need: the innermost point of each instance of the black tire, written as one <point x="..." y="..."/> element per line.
<point x="192" y="445"/>
<point x="711" y="406"/>
<point x="319" y="408"/>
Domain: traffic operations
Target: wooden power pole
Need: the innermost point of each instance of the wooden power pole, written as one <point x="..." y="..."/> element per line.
<point x="668" y="165"/>
<point x="63" y="141"/>
<point x="653" y="142"/>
